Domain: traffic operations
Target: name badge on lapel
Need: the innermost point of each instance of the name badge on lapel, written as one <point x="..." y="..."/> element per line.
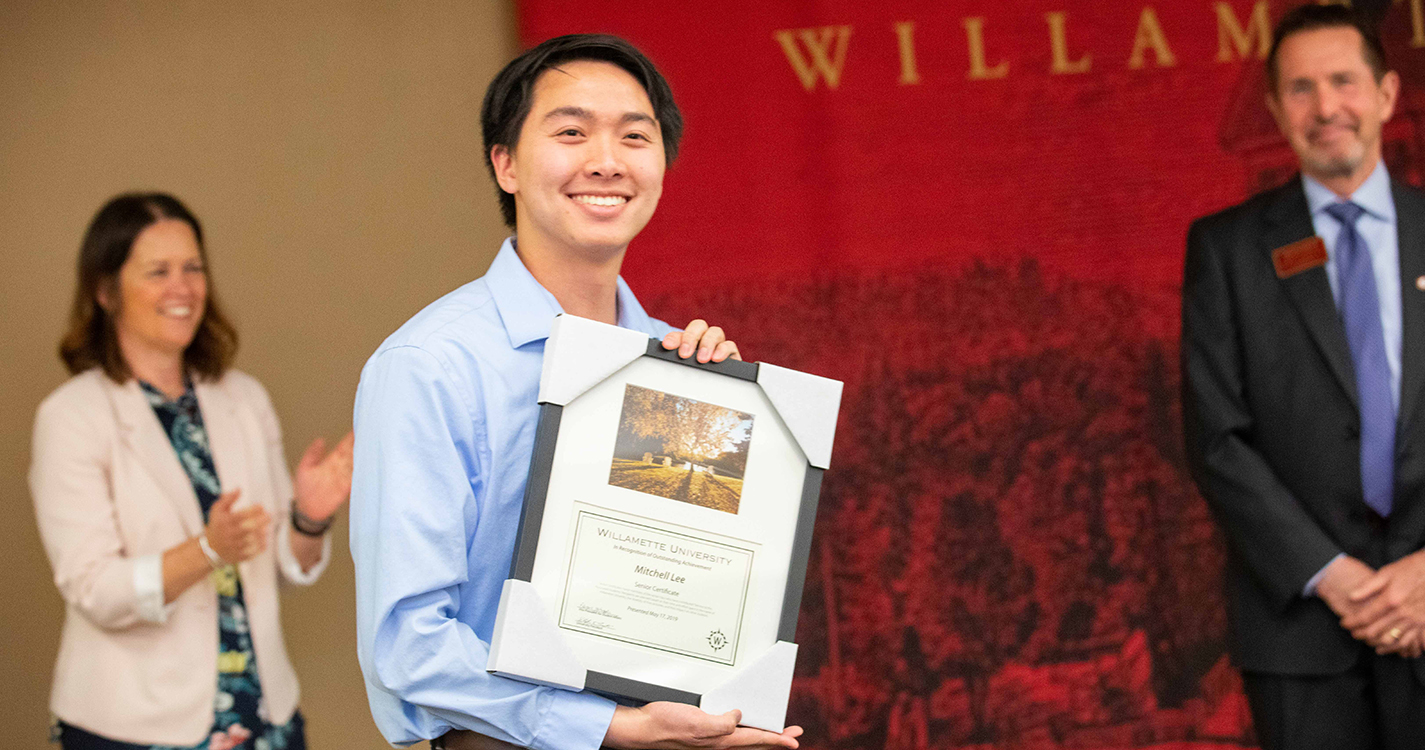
<point x="1305" y="255"/>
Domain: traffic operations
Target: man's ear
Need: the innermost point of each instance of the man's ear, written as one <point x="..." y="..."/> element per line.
<point x="504" y="163"/>
<point x="1275" y="107"/>
<point x="1390" y="94"/>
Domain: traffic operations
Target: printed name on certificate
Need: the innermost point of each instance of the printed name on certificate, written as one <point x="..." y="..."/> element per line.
<point x="657" y="588"/>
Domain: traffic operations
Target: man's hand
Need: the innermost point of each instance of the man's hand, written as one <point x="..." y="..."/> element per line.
<point x="1390" y="607"/>
<point x="678" y="726"/>
<point x="1343" y="577"/>
<point x="709" y="342"/>
<point x="1410" y="644"/>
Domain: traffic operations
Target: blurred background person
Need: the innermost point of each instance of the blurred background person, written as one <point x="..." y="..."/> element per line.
<point x="1302" y="366"/>
<point x="165" y="505"/>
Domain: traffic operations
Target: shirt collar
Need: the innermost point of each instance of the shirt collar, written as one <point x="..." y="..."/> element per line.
<point x="1373" y="195"/>
<point x="527" y="309"/>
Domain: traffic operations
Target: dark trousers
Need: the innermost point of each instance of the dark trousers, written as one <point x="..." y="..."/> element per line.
<point x="1376" y="705"/>
<point x="71" y="737"/>
<point x="463" y="739"/>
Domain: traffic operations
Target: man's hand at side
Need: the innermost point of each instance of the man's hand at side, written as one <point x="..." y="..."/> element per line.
<point x="678" y="726"/>
<point x="708" y="341"/>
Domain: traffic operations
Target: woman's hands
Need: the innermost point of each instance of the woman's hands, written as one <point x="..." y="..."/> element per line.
<point x="237" y="535"/>
<point x="234" y="535"/>
<point x="323" y="480"/>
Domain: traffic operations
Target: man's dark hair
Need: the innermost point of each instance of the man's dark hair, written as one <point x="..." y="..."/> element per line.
<point x="510" y="95"/>
<point x="1311" y="17"/>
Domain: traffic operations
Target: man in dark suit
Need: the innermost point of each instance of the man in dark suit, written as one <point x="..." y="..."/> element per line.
<point x="1303" y="349"/>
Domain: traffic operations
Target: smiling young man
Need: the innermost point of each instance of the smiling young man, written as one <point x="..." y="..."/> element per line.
<point x="578" y="132"/>
<point x="1303" y="347"/>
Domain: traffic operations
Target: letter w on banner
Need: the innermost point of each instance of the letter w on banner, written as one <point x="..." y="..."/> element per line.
<point x="826" y="48"/>
<point x="974" y="214"/>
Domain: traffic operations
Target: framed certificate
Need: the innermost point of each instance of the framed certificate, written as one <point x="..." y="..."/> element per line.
<point x="666" y="525"/>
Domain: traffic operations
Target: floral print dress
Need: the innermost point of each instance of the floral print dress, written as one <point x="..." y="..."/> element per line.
<point x="240" y="720"/>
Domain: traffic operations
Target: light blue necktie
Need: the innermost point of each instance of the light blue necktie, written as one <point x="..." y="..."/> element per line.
<point x="1360" y="312"/>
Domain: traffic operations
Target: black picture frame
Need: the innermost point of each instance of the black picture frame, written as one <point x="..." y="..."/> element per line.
<point x="532" y="515"/>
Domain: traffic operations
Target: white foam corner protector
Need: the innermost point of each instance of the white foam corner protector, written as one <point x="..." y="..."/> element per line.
<point x="808" y="405"/>
<point x="581" y="353"/>
<point x="760" y="691"/>
<point x="527" y="645"/>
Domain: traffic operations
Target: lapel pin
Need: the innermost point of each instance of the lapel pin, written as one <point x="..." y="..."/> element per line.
<point x="1420" y="283"/>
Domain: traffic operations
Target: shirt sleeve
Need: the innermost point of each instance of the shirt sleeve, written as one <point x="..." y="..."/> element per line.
<point x="1310" y="589"/>
<point x="287" y="562"/>
<point x="148" y="588"/>
<point x="415" y="503"/>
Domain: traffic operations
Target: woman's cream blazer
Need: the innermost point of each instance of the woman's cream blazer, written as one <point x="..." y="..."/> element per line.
<point x="108" y="490"/>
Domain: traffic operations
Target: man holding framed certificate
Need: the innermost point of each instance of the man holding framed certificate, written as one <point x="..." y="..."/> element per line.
<point x="578" y="132"/>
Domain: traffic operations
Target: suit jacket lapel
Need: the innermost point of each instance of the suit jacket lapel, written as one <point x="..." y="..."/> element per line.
<point x="143" y="433"/>
<point x="1410" y="234"/>
<point x="1288" y="220"/>
<point x="224" y="427"/>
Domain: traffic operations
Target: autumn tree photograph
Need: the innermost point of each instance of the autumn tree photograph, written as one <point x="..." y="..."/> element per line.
<point x="681" y="449"/>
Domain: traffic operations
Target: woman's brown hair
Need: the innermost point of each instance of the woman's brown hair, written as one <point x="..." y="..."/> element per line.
<point x="91" y="340"/>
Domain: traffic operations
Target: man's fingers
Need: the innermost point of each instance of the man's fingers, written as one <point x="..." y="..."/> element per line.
<point x="691" y="335"/>
<point x="1409" y="645"/>
<point x="747" y="738"/>
<point x="1386" y="631"/>
<point x="1372" y="612"/>
<point x="724" y="350"/>
<point x="709" y="343"/>
<point x="1372" y="586"/>
<point x="1395" y="640"/>
<point x="725" y="724"/>
<point x="712" y="337"/>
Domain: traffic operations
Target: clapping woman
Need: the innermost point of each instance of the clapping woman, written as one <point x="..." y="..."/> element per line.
<point x="165" y="504"/>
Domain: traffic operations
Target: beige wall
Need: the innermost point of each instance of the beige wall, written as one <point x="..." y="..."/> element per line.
<point x="331" y="151"/>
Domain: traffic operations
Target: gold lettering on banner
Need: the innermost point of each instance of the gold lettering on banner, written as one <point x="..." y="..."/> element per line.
<point x="825" y="63"/>
<point x="905" y="34"/>
<point x="1417" y="22"/>
<point x="979" y="71"/>
<point x="1231" y="35"/>
<point x="1150" y="36"/>
<point x="1059" y="46"/>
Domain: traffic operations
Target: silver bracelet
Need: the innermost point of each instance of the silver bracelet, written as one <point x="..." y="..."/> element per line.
<point x="214" y="559"/>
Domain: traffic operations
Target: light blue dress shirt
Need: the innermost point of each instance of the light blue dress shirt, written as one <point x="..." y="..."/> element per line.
<point x="445" y="421"/>
<point x="1377" y="227"/>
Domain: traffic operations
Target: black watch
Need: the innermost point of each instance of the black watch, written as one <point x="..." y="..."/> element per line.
<point x="308" y="526"/>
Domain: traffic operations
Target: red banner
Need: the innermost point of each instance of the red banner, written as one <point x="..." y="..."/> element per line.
<point x="974" y="214"/>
